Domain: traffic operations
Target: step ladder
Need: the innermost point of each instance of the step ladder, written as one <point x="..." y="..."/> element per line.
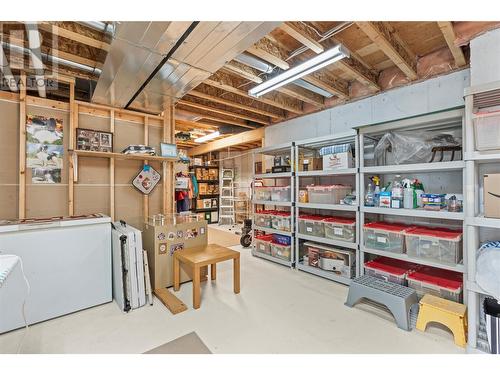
<point x="226" y="204"/>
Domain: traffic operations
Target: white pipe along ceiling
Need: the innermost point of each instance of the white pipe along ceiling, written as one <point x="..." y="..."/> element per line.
<point x="152" y="64"/>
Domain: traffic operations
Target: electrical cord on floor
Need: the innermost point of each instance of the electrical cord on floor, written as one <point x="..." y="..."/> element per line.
<point x="28" y="287"/>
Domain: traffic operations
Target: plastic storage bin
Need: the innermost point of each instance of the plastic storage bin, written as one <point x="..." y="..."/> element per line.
<point x="338" y="228"/>
<point x="282" y="240"/>
<point x="280" y="193"/>
<point x="442" y="283"/>
<point x="487" y="131"/>
<point x="388" y="269"/>
<point x="281" y="251"/>
<point x="442" y="245"/>
<point x="263" y="219"/>
<point x="340" y="261"/>
<point x="311" y="225"/>
<point x="263" y="193"/>
<point x="385" y="236"/>
<point x="263" y="244"/>
<point x="331" y="194"/>
<point x="281" y="221"/>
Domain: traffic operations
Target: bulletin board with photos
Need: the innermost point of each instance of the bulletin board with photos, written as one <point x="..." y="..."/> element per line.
<point x="94" y="140"/>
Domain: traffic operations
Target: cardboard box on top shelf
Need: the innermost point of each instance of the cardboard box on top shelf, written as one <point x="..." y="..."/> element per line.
<point x="310" y="163"/>
<point x="340" y="160"/>
<point x="492" y="195"/>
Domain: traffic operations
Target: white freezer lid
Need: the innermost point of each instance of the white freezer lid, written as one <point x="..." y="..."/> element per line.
<point x="55" y="222"/>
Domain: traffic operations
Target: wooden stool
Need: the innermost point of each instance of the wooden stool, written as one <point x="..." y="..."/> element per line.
<point x="199" y="257"/>
<point x="451" y="314"/>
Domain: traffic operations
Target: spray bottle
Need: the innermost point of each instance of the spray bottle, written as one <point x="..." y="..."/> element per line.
<point x="376" y="193"/>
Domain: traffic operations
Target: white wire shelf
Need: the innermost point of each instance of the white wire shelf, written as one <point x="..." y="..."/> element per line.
<point x="328" y="241"/>
<point x="272" y="203"/>
<point x="272" y="230"/>
<point x="322" y="273"/>
<point x="417" y="212"/>
<point x="274" y="175"/>
<point x="420" y="167"/>
<point x="337" y="172"/>
<point x="481" y="221"/>
<point x="452" y="267"/>
<point x="283" y="262"/>
<point x="324" y="206"/>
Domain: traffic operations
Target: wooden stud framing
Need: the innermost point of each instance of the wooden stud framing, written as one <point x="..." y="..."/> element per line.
<point x="168" y="136"/>
<point x="71" y="143"/>
<point x="22" y="147"/>
<point x="65" y="33"/>
<point x="145" y="199"/>
<point x="112" y="171"/>
<point x="449" y="35"/>
<point x="391" y="45"/>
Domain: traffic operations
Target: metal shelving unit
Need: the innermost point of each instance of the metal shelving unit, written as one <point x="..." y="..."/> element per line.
<point x="476" y="162"/>
<point x="350" y="174"/>
<point x="286" y="149"/>
<point x="451" y="119"/>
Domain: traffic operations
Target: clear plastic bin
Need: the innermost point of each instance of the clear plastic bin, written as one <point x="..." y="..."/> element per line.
<point x="263" y="244"/>
<point x="262" y="193"/>
<point x="385" y="236"/>
<point x="281" y="251"/>
<point x="441" y="245"/>
<point x="281" y="193"/>
<point x="281" y="221"/>
<point x="442" y="283"/>
<point x="388" y="269"/>
<point x="311" y="225"/>
<point x="328" y="258"/>
<point x="338" y="228"/>
<point x="263" y="219"/>
<point x="331" y="194"/>
<point x="487" y="131"/>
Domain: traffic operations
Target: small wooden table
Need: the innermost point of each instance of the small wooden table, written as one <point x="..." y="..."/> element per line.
<point x="198" y="257"/>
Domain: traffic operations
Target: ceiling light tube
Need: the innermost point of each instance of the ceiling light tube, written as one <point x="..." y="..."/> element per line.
<point x="320" y="61"/>
<point x="207" y="137"/>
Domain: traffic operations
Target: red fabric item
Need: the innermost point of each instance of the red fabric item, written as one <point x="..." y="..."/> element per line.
<point x="180" y="195"/>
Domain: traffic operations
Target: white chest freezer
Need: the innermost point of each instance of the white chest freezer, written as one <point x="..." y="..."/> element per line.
<point x="67" y="262"/>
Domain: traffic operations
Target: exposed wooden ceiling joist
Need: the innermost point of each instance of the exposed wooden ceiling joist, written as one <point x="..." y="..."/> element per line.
<point x="243" y="71"/>
<point x="227" y="83"/>
<point x="302" y="35"/>
<point x="221" y="120"/>
<point x="230" y="103"/>
<point x="446" y="28"/>
<point x="269" y="52"/>
<point x="386" y="39"/>
<point x="77" y="37"/>
<point x="302" y="94"/>
<point x="223" y="112"/>
<point x="234" y="140"/>
<point x="194" y="125"/>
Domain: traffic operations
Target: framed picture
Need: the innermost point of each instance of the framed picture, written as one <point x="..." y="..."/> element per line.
<point x="168" y="150"/>
<point x="146" y="179"/>
<point x="94" y="140"/>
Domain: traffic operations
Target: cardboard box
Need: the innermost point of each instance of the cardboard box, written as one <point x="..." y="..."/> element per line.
<point x="310" y="163"/>
<point x="340" y="160"/>
<point x="492" y="195"/>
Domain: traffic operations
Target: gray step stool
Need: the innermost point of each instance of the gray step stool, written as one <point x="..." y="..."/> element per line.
<point x="397" y="298"/>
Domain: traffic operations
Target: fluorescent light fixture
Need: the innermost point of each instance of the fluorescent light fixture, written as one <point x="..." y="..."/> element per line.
<point x="313" y="88"/>
<point x="320" y="61"/>
<point x="207" y="137"/>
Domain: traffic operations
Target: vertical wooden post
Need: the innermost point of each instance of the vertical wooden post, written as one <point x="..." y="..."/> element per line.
<point x="145" y="201"/>
<point x="71" y="145"/>
<point x="112" y="171"/>
<point x="168" y="169"/>
<point x="22" y="147"/>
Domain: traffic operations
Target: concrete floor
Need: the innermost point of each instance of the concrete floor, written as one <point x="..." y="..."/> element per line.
<point x="278" y="311"/>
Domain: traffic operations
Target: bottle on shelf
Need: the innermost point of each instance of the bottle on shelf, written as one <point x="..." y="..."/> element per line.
<point x="369" y="196"/>
<point x="418" y="189"/>
<point x="408" y="195"/>
<point x="376" y="192"/>
<point x="397" y="192"/>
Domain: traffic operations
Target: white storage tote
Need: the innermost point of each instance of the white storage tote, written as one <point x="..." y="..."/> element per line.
<point x="262" y="193"/>
<point x="487" y="131"/>
<point x="281" y="193"/>
<point x="442" y="283"/>
<point x="441" y="245"/>
<point x="311" y="225"/>
<point x="339" y="228"/>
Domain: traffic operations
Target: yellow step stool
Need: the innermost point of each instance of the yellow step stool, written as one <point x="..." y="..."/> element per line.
<point x="451" y="314"/>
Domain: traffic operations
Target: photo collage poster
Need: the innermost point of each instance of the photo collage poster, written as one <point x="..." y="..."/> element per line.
<point x="44" y="149"/>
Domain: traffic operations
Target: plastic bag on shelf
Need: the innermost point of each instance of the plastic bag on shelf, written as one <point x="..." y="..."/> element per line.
<point x="412" y="147"/>
<point x="488" y="268"/>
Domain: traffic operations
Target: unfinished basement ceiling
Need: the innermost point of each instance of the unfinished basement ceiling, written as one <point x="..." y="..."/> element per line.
<point x="208" y="78"/>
